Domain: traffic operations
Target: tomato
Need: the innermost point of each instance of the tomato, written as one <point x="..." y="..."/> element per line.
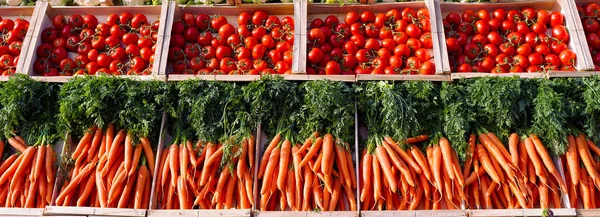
<point x="413" y="44"/>
<point x="469" y="16"/>
<point x="472" y="50"/>
<point x="274" y="56"/>
<point x="452" y="44"/>
<point x="223" y="51"/>
<point x="351" y="17"/>
<point x="495" y="38"/>
<point x="227" y="65"/>
<point x="466" y="28"/>
<point x="542" y="49"/>
<point x="125" y="18"/>
<point x="367" y="17"/>
<point x="515" y="38"/>
<point x="567" y="57"/>
<point x="81" y="61"/>
<point x="102" y="29"/>
<point x="422" y="54"/>
<point x="316" y="23"/>
<point x="413" y="63"/>
<point x="49" y="35"/>
<point x="372" y="44"/>
<point x="119" y="53"/>
<point x="557" y="47"/>
<point x="524" y="50"/>
<point x="217" y="21"/>
<point x="58" y="55"/>
<point x="332" y="68"/>
<point x="507" y="48"/>
<point x="413" y="31"/>
<point x="92" y="68"/>
<point x="67" y="31"/>
<point x="84" y="47"/>
<point x="6" y="61"/>
<point x="543" y="17"/>
<point x="539" y="28"/>
<point x="137" y="64"/>
<point x="593" y="40"/>
<point x="58" y="21"/>
<point x="490" y="50"/>
<point x="331" y="21"/>
<point x="556" y="18"/>
<point x="535" y="59"/>
<point x="288" y="57"/>
<point x="552" y="59"/>
<point x="72" y="43"/>
<point x="362" y="56"/>
<point x="500" y="14"/>
<point x="90" y="21"/>
<point x="482" y="26"/>
<point x="465" y="67"/>
<point x="15" y="48"/>
<point x="67" y="65"/>
<point x="453" y="18"/>
<point x="190" y="35"/>
<point x="479" y="39"/>
<point x="560" y="32"/>
<point x="521" y="61"/>
<point x="508" y="26"/>
<point x="20" y="27"/>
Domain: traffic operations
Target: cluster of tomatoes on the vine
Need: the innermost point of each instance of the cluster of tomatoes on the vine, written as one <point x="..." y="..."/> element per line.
<point x="12" y="33"/>
<point x="590" y="18"/>
<point x="124" y="44"/>
<point x="525" y="40"/>
<point x="395" y="42"/>
<point x="204" y="44"/>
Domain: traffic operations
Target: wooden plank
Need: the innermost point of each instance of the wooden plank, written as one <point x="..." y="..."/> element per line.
<point x="299" y="46"/>
<point x="369" y="77"/>
<point x="299" y="77"/>
<point x="518" y="212"/>
<point x="571" y="74"/>
<point x="21" y="212"/>
<point x="178" y="77"/>
<point x="475" y="75"/>
<point x="200" y="213"/>
<point x="580" y="32"/>
<point x="70" y="210"/>
<point x="588" y="212"/>
<point x="305" y="214"/>
<point x="159" y="152"/>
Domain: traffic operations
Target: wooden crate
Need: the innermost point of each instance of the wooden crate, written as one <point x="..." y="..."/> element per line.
<point x="306" y="214"/>
<point x="46" y="12"/>
<point x="323" y="10"/>
<point x="403" y="77"/>
<point x="27" y="13"/>
<point x="199" y="213"/>
<point x="230" y="12"/>
<point x="456" y="76"/>
<point x="562" y="6"/>
<point x="415" y="213"/>
<point x="91" y="211"/>
<point x="581" y="34"/>
<point x="518" y="212"/>
<point x="21" y="212"/>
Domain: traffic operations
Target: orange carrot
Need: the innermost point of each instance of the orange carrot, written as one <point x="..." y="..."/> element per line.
<point x="263" y="162"/>
<point x="270" y="168"/>
<point x="471" y="151"/>
<point x="114" y="148"/>
<point x="184" y="160"/>
<point x="298" y="175"/>
<point x="383" y="159"/>
<point x="137" y="153"/>
<point x="342" y="166"/>
<point x="487" y="163"/>
<point x="543" y="152"/>
<point x="351" y="168"/>
<point x="87" y="190"/>
<point x="140" y="187"/>
<point x="174" y="163"/>
<point x="403" y="155"/>
<point x="312" y="151"/>
<point x="91" y="152"/>
<point x="335" y="195"/>
<point x="513" y="143"/>
<point x="573" y="160"/>
<point x="436" y="158"/>
<point x="447" y="157"/>
<point x="148" y="153"/>
<point x="28" y="156"/>
<point x="308" y="142"/>
<point x="328" y="154"/>
<point x="497" y="153"/>
<point x="397" y="162"/>
<point x="284" y="159"/>
<point x="376" y="178"/>
<point x="241" y="163"/>
<point x="308" y="180"/>
<point x="85" y="140"/>
<point x="128" y="152"/>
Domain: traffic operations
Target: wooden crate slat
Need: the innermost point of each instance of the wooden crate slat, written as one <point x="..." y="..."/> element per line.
<point x="200" y="213"/>
<point x="370" y="77"/>
<point x="584" y="51"/>
<point x="475" y="75"/>
<point x="58" y="210"/>
<point x="554" y="74"/>
<point x="306" y="214"/>
<point x="21" y="212"/>
<point x="518" y="212"/>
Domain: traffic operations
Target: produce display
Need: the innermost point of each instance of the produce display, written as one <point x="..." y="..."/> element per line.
<point x="12" y="34"/>
<point x="112" y="158"/>
<point x="501" y="41"/>
<point x="209" y="163"/>
<point x="307" y="163"/>
<point x="395" y="42"/>
<point x="486" y="143"/>
<point x="260" y="44"/>
<point x="122" y="45"/>
<point x="590" y="18"/>
<point x="27" y="174"/>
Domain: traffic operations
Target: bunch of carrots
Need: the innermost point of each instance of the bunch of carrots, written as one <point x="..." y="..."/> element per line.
<point x="27" y="174"/>
<point x="188" y="177"/>
<point x="110" y="171"/>
<point x="27" y="177"/>
<point x="112" y="163"/>
<point x="318" y="174"/>
<point x="581" y="172"/>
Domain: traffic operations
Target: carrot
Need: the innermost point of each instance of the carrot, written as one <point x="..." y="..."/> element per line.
<point x="573" y="160"/>
<point x="31" y="194"/>
<point x="397" y="162"/>
<point x="117" y="187"/>
<point x="91" y="152"/>
<point x="316" y="167"/>
<point x="497" y="168"/>
<point x="312" y="151"/>
<point x="284" y="159"/>
<point x="140" y="187"/>
<point x="475" y="189"/>
<point x="102" y="193"/>
<point x="328" y="154"/>
<point x="114" y="148"/>
<point x="497" y="153"/>
<point x="456" y="168"/>
<point x="524" y="158"/>
<point x="436" y="156"/>
<point x="474" y="176"/>
<point x="87" y="190"/>
<point x="241" y="163"/>
<point x="543" y="152"/>
<point x="308" y="142"/>
<point x="584" y="190"/>
<point x="182" y="192"/>
<point x="263" y="162"/>
<point x="290" y="190"/>
<point x="7" y="164"/>
<point x="367" y="163"/>
<point x="471" y="150"/>
<point x="269" y="169"/>
<point x="308" y="180"/>
<point x="74" y="183"/>
<point x="487" y="163"/>
<point x="298" y="174"/>
<point x="335" y="195"/>
<point x="174" y="163"/>
<point x="351" y="168"/>
<point x="383" y="159"/>
<point x="209" y="149"/>
<point x="85" y="140"/>
<point x="342" y="166"/>
<point x="447" y="157"/>
<point x="184" y="160"/>
<point x="216" y="156"/>
<point x="513" y="143"/>
<point x="110" y="135"/>
<point x="137" y="153"/>
<point x="403" y="155"/>
<point x="148" y="153"/>
<point x="500" y="146"/>
<point x="28" y="156"/>
<point x="128" y="152"/>
<point x="376" y="179"/>
<point x="317" y="194"/>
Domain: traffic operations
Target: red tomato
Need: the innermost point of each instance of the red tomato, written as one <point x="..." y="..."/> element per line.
<point x="332" y="68"/>
<point x="567" y="57"/>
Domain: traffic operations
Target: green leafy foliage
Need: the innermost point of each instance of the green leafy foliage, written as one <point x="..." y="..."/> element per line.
<point x="550" y="117"/>
<point x="329" y="108"/>
<point x="275" y="103"/>
<point x="501" y="104"/>
<point x="100" y="100"/>
<point x="458" y="119"/>
<point x="591" y="95"/>
<point x="29" y="109"/>
<point x="425" y="100"/>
